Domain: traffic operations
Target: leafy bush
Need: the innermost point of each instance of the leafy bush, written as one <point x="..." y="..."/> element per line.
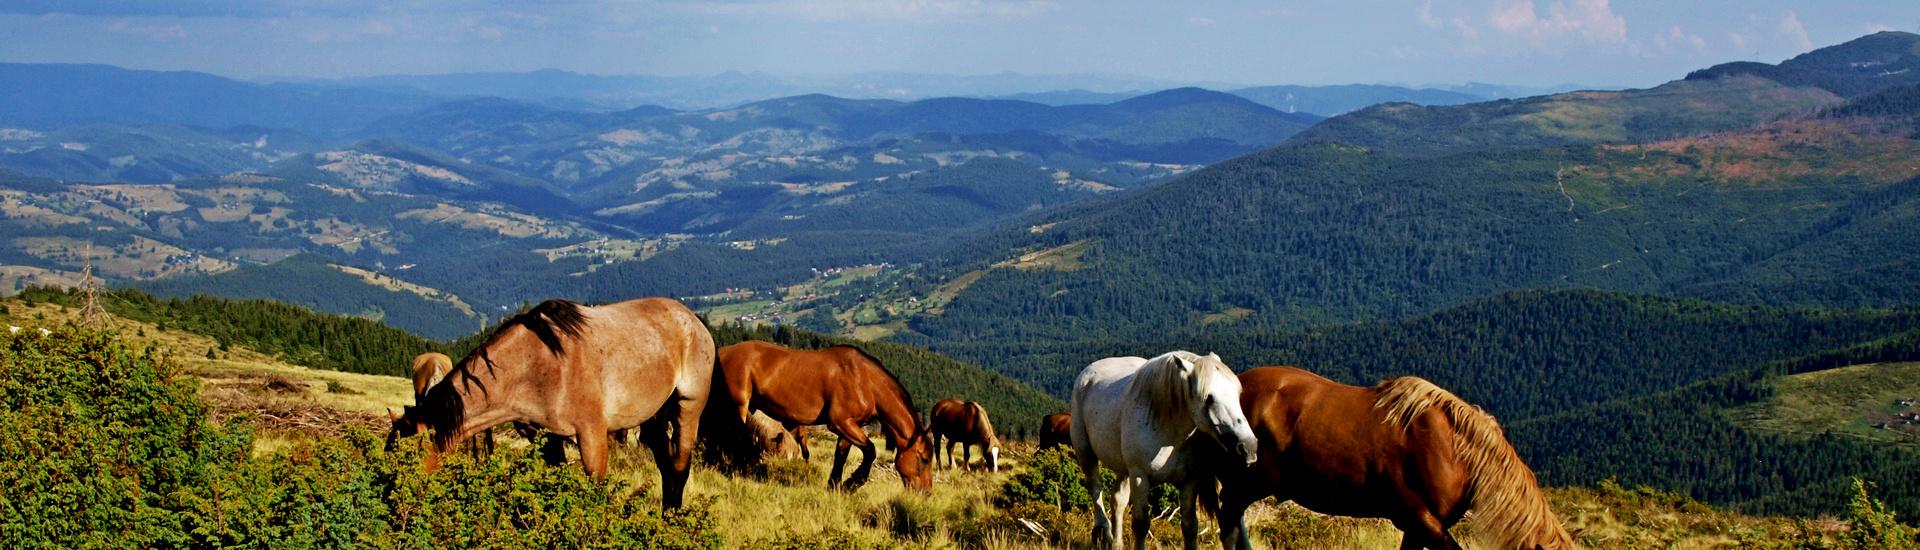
<point x="104" y="446"/>
<point x="908" y="517"/>
<point x="1872" y="525"/>
<point x="112" y="448"/>
<point x="1053" y="477"/>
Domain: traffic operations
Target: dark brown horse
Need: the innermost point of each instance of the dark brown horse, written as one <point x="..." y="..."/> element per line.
<point x="1056" y="429"/>
<point x="1405" y="450"/>
<point x="840" y="387"/>
<point x="582" y="372"/>
<point x="964" y="422"/>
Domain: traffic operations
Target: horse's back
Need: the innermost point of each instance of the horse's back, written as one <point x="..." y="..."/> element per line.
<point x="949" y="417"/>
<point x="641" y="343"/>
<point x="1320" y="440"/>
<point x="428" y="369"/>
<point x="1056" y="429"/>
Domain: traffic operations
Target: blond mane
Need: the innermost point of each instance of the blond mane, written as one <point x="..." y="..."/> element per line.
<point x="1505" y="495"/>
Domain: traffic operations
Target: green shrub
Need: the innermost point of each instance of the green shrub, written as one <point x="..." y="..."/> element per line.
<point x="103" y="446"/>
<point x="1053" y="477"/>
<point x="1870" y="524"/>
<point x="107" y="447"/>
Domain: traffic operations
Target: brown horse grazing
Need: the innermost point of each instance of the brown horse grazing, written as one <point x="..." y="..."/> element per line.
<point x="964" y="422"/>
<point x="581" y="372"/>
<point x="1405" y="450"/>
<point x="1056" y="429"/>
<point x="841" y="387"/>
<point x="430" y="368"/>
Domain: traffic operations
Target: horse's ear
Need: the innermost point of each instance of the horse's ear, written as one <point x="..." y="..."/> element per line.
<point x="1215" y="356"/>
<point x="394" y="416"/>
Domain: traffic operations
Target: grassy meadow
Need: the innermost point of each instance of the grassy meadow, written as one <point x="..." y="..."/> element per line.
<point x="291" y="407"/>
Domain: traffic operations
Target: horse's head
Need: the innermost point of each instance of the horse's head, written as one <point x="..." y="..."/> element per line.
<point x="403" y="424"/>
<point x="988" y="437"/>
<point x="913" y="459"/>
<point x="1216" y="404"/>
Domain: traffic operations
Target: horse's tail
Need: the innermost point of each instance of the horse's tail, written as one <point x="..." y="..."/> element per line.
<point x="1502" y="488"/>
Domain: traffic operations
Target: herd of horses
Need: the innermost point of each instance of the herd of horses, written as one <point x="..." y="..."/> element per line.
<point x="1405" y="450"/>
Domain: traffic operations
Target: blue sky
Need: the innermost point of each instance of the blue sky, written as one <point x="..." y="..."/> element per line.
<point x="1531" y="42"/>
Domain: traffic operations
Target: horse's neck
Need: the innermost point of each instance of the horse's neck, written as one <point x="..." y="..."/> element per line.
<point x="895" y="415"/>
<point x="1162" y="392"/>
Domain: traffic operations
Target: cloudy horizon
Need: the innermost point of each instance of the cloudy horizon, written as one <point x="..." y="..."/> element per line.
<point x="1413" y="42"/>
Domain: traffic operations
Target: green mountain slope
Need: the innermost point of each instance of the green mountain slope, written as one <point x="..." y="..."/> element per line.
<point x="1674" y="109"/>
<point x="1858" y="67"/>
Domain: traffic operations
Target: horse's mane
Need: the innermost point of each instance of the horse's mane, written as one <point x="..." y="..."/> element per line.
<point x="1502" y="488"/>
<point x="913" y="412"/>
<point x="444" y="408"/>
<point x="548" y="321"/>
<point x="1166" y="393"/>
<point x="986" y="426"/>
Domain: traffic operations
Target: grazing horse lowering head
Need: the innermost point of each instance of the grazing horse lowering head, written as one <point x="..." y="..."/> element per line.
<point x="913" y="458"/>
<point x="1213" y="398"/>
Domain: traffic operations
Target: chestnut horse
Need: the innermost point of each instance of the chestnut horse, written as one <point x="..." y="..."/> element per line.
<point x="1056" y="429"/>
<point x="841" y="387"/>
<point x="964" y="422"/>
<point x="581" y="372"/>
<point x="1405" y="450"/>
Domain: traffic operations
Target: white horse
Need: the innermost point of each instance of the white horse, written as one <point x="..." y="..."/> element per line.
<point x="1152" y="421"/>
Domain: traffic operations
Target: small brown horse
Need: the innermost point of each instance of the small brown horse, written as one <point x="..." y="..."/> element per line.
<point x="428" y="369"/>
<point x="1405" y="450"/>
<point x="964" y="422"/>
<point x="1056" y="429"/>
<point x="582" y="372"/>
<point x="841" y="387"/>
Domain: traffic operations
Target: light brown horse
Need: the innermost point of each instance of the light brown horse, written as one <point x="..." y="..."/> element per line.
<point x="428" y="369"/>
<point x="581" y="372"/>
<point x="1405" y="450"/>
<point x="964" y="422"/>
<point x="840" y="387"/>
<point x="1056" y="429"/>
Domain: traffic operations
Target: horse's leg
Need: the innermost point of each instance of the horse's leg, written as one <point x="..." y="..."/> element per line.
<point x="686" y="435"/>
<point x="1424" y="530"/>
<point x="966" y="455"/>
<point x="1236" y="495"/>
<point x="554" y="450"/>
<point x="1103" y="527"/>
<point x="867" y="455"/>
<point x="593" y="449"/>
<point x="1142" y="517"/>
<point x="839" y="461"/>
<point x="1189" y="517"/>
<point x="1129" y="511"/>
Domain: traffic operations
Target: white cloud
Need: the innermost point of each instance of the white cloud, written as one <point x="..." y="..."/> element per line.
<point x="1593" y="20"/>
<point x="1200" y="21"/>
<point x="1427" y="18"/>
<point x="1466" y="29"/>
<point x="1738" y="40"/>
<point x="154" y="31"/>
<point x="1795" y="32"/>
<point x="1676" y="39"/>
